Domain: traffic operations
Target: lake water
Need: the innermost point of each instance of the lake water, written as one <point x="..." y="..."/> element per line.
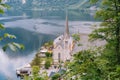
<point x="33" y="29"/>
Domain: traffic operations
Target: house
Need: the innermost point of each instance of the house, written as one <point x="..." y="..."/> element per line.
<point x="24" y="70"/>
<point x="42" y="52"/>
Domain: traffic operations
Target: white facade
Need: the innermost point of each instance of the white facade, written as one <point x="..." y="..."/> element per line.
<point x="63" y="46"/>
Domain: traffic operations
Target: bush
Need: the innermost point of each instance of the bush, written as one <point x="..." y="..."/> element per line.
<point x="35" y="70"/>
<point x="36" y="61"/>
<point x="38" y="78"/>
<point x="47" y="64"/>
<point x="48" y="54"/>
<point x="56" y="76"/>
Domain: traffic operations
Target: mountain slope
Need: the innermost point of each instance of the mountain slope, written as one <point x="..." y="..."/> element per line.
<point x="49" y="4"/>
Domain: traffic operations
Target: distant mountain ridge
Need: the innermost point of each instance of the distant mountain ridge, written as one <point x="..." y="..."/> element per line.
<point x="49" y="4"/>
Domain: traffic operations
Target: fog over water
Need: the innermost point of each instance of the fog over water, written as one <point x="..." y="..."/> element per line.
<point x="8" y="65"/>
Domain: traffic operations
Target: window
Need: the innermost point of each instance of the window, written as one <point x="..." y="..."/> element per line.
<point x="59" y="57"/>
<point x="59" y="38"/>
<point x="66" y="42"/>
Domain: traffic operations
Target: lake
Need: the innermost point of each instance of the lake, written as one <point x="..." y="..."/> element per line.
<point x="33" y="29"/>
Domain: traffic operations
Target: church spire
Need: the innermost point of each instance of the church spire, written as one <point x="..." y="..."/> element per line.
<point x="66" y="34"/>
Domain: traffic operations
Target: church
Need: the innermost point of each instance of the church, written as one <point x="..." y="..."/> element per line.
<point x="63" y="46"/>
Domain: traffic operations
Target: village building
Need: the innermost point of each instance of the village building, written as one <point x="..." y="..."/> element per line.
<point x="63" y="46"/>
<point x="62" y="51"/>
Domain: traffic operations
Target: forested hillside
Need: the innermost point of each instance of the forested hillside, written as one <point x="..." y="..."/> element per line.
<point x="50" y="4"/>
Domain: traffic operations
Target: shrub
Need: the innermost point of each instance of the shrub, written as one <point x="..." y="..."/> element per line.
<point x="48" y="54"/>
<point x="56" y="76"/>
<point x="47" y="64"/>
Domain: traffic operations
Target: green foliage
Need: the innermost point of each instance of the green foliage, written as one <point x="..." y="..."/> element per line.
<point x="6" y="35"/>
<point x="48" y="45"/>
<point x="26" y="78"/>
<point x="39" y="78"/>
<point x="1" y="26"/>
<point x="13" y="46"/>
<point x="48" y="54"/>
<point x="36" y="61"/>
<point x="109" y="31"/>
<point x="35" y="70"/>
<point x="5" y="6"/>
<point x="44" y="75"/>
<point x="118" y="69"/>
<point x="35" y="73"/>
<point x="87" y="65"/>
<point x="1" y="11"/>
<point x="47" y="64"/>
<point x="76" y="37"/>
<point x="110" y="21"/>
<point x="2" y="7"/>
<point x="50" y="42"/>
<point x="56" y="76"/>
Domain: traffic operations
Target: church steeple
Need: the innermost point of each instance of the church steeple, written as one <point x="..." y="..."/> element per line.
<point x="66" y="33"/>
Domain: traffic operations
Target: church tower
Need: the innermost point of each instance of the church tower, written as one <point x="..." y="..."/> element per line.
<point x="66" y="33"/>
<point x="63" y="46"/>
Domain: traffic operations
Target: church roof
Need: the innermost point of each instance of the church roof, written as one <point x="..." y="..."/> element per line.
<point x="59" y="41"/>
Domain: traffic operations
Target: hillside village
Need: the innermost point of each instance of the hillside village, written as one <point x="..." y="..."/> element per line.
<point x="53" y="56"/>
<point x="86" y="48"/>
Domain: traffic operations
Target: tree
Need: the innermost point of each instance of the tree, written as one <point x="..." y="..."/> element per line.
<point x="76" y="38"/>
<point x="86" y="65"/>
<point x="55" y="76"/>
<point x="36" y="61"/>
<point x="110" y="27"/>
<point x="35" y="70"/>
<point x="110" y="32"/>
<point x="12" y="45"/>
<point x="47" y="64"/>
<point x="48" y="54"/>
<point x="48" y="45"/>
<point x="105" y="64"/>
<point x="35" y="73"/>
